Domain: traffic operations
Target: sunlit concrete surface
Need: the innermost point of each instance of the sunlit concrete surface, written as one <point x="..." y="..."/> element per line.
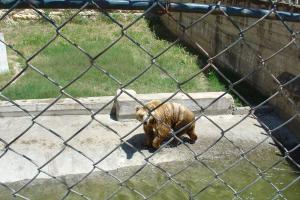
<point x="45" y="139"/>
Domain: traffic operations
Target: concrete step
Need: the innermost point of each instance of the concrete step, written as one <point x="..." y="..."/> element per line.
<point x="122" y="108"/>
<point x="224" y="104"/>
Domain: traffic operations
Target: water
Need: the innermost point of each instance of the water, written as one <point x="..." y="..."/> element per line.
<point x="194" y="180"/>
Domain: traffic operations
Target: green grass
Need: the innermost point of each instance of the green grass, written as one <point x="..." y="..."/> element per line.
<point x="62" y="62"/>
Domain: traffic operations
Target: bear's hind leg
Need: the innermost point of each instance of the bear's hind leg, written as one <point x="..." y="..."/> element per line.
<point x="162" y="133"/>
<point x="191" y="133"/>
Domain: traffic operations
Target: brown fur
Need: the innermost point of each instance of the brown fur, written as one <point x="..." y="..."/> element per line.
<point x="164" y="118"/>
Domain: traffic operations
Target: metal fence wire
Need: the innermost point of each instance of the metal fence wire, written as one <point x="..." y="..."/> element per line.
<point x="160" y="8"/>
<point x="292" y="2"/>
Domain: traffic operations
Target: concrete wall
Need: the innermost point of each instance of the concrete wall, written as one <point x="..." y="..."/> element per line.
<point x="216" y="32"/>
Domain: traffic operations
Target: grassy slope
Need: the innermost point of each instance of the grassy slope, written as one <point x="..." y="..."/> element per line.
<point x="62" y="62"/>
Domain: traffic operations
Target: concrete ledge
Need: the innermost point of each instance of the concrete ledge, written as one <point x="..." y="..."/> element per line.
<point x="122" y="108"/>
<point x="62" y="107"/>
<point x="246" y="110"/>
<point x="125" y="106"/>
<point x="241" y="110"/>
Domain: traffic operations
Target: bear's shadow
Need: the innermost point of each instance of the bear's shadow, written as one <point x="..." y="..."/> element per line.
<point x="134" y="144"/>
<point x="137" y="143"/>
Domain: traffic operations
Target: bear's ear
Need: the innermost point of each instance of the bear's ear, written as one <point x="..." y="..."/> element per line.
<point x="156" y="102"/>
<point x="153" y="104"/>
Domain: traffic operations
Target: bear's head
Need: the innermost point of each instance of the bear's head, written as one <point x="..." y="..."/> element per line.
<point x="142" y="112"/>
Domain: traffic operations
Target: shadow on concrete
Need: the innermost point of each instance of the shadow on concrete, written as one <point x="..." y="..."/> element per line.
<point x="284" y="139"/>
<point x="136" y="143"/>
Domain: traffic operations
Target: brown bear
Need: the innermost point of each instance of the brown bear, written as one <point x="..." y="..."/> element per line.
<point x="167" y="117"/>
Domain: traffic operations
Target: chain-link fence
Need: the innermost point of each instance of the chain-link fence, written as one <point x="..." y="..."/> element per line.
<point x="157" y="8"/>
<point x="291" y="2"/>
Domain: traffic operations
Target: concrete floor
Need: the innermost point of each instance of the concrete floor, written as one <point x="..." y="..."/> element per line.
<point x="96" y="142"/>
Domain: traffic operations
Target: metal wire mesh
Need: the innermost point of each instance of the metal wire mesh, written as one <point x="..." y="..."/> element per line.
<point x="163" y="9"/>
<point x="291" y="2"/>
